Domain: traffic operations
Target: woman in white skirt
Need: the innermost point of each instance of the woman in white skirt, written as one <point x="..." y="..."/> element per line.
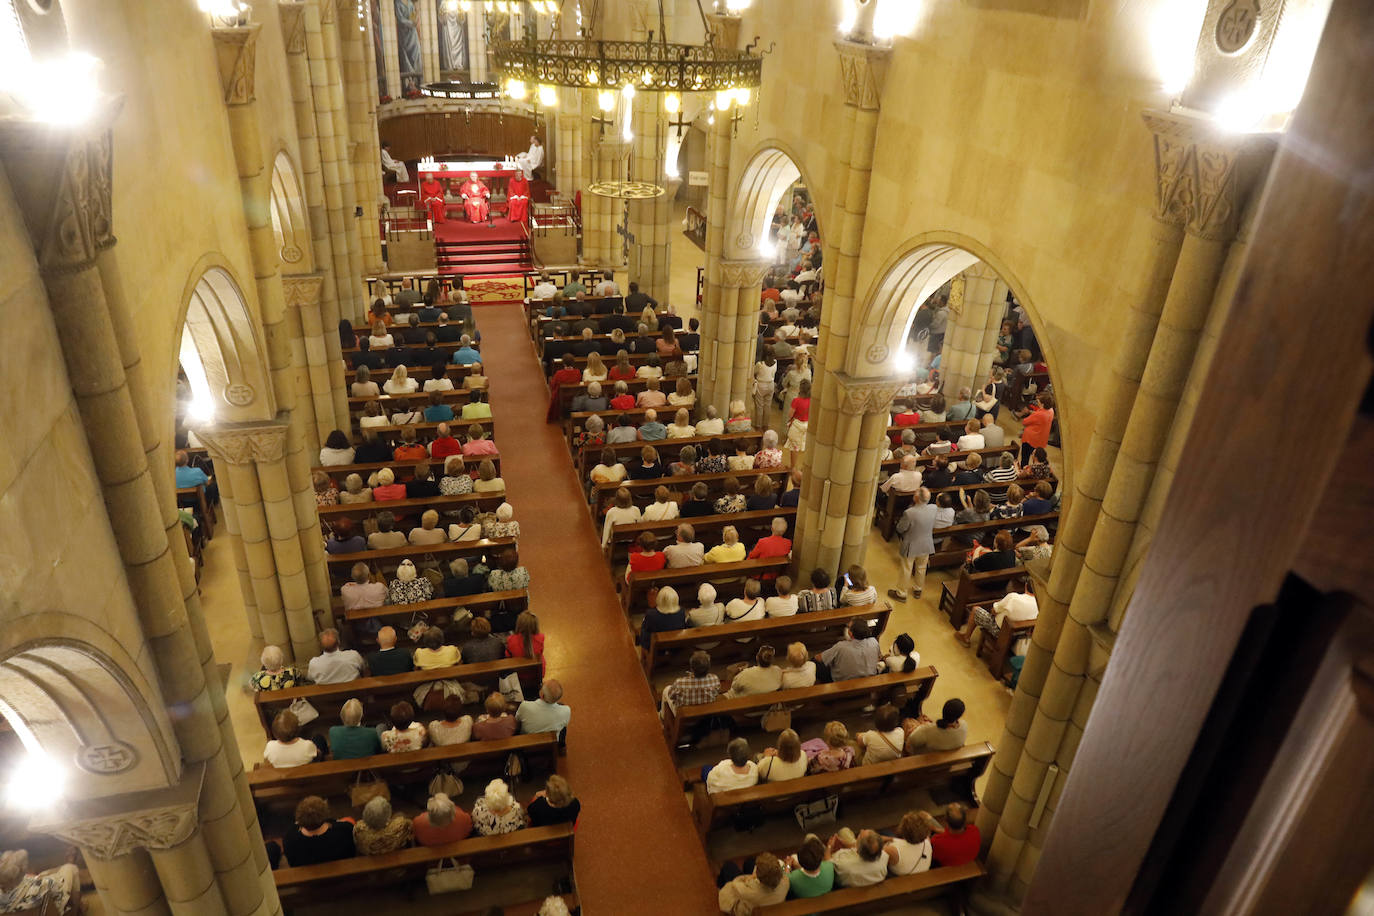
<point x="792" y="379"/>
<point x="765" y="375"/>
<point x="798" y="418"/>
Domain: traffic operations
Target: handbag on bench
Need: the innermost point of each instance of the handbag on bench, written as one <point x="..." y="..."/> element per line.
<point x="443" y="879"/>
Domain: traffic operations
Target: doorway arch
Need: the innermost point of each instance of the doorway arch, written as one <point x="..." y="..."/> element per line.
<point x="766" y="176"/>
<point x="220" y="352"/>
<point x="290" y="223"/>
<point x="908" y="277"/>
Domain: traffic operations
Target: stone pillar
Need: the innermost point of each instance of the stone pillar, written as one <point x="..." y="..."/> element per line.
<point x="428" y="27"/>
<point x="718" y="305"/>
<point x="997" y="310"/>
<point x="602" y="245"/>
<point x="742" y="280"/>
<point x="352" y="292"/>
<point x="569" y="152"/>
<point x="62" y="182"/>
<point x="310" y="356"/>
<point x="650" y="218"/>
<point x="389" y="49"/>
<point x="255" y="457"/>
<point x="832" y="440"/>
<point x="236" y="54"/>
<point x="313" y="174"/>
<point x="1205" y="178"/>
<point x="477" y="44"/>
<point x="965" y="362"/>
<point x="128" y="885"/>
<point x="360" y="81"/>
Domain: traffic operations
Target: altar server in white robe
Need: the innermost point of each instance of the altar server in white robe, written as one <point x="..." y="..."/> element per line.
<point x="531" y="160"/>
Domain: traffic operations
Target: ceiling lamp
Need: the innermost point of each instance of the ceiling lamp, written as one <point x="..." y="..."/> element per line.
<point x="672" y="103"/>
<point x="548" y="95"/>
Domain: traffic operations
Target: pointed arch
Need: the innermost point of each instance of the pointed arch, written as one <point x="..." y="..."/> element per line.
<point x="290" y="221"/>
<point x="224" y="360"/>
<point x="767" y="174"/>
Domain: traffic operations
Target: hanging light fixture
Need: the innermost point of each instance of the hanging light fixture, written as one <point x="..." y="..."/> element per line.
<point x="548" y="95"/>
<point x="672" y="103"/>
<point x="605" y="100"/>
<point x="515" y="89"/>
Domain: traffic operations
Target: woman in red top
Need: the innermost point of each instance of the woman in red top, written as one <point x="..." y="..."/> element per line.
<point x="797" y="422"/>
<point x="1035" y="426"/>
<point x="527" y="642"/>
<point x="648" y="558"/>
<point x="622" y="370"/>
<point x="568" y="375"/>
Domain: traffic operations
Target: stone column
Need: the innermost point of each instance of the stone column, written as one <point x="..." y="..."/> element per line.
<point x="602" y="245"/>
<point x="360" y="81"/>
<point x="255" y="457"/>
<point x="352" y="293"/>
<point x="236" y="54"/>
<point x="62" y="181"/>
<point x="742" y="280"/>
<point x="389" y="49"/>
<point x="310" y="356"/>
<point x="650" y="218"/>
<point x="313" y="174"/>
<point x="1205" y="178"/>
<point x="718" y="306"/>
<point x="832" y="440"/>
<point x="569" y="152"/>
<point x="964" y="355"/>
<point x="428" y="27"/>
<point x="477" y="44"/>
<point x="997" y="310"/>
<point x="128" y="885"/>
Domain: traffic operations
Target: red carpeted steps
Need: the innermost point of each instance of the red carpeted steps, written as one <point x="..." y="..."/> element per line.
<point x="467" y="248"/>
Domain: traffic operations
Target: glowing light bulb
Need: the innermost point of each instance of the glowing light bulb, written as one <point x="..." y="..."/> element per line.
<point x="593" y="77"/>
<point x="766" y="248"/>
<point x="628" y="90"/>
<point x="742" y="96"/>
<point x="672" y="103"/>
<point x="515" y="89"/>
<point x="723" y="99"/>
<point x="903" y="361"/>
<point x="451" y="6"/>
<point x="891" y="19"/>
<point x="36" y="782"/>
<point x="548" y="96"/>
<point x="605" y="100"/>
<point x="1240" y="111"/>
<point x="647" y="79"/>
<point x="465" y="5"/>
<point x="710" y="119"/>
<point x="60" y="90"/>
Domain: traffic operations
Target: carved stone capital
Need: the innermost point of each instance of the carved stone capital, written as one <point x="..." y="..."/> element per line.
<point x="62" y="182"/>
<point x="245" y="443"/>
<point x="866" y="395"/>
<point x="302" y="290"/>
<point x="863" y="71"/>
<point x="236" y="52"/>
<point x="292" y="14"/>
<point x="1203" y="176"/>
<point x="111" y="827"/>
<point x="743" y="273"/>
<point x="724" y="29"/>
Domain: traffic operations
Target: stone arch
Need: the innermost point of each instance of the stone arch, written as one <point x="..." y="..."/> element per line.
<point x="768" y="173"/>
<point x="79" y="699"/>
<point x="220" y="350"/>
<point x="290" y="221"/>
<point x="917" y="268"/>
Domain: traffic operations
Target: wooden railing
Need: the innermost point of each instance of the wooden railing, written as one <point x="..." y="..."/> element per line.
<point x="696" y="227"/>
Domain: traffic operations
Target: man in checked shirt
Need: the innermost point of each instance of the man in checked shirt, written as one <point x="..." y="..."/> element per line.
<point x="698" y="686"/>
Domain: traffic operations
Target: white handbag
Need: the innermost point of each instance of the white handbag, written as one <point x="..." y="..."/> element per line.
<point x="509" y="687"/>
<point x="445" y="880"/>
<point x="811" y="815"/>
<point x="304" y="712"/>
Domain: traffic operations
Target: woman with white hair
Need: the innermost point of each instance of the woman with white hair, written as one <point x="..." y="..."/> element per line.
<point x="709" y="612"/>
<point x="501" y="524"/>
<point x="441" y="822"/>
<point x="352" y="740"/>
<point x="769" y="455"/>
<point x="497" y="811"/>
<point x="380" y="831"/>
<point x="712" y="425"/>
<point x="593" y="433"/>
<point x="428" y="533"/>
<point x="275" y="673"/>
<point x="400" y="382"/>
<point x="739" y="421"/>
<point x="354" y="491"/>
<point x="666" y="616"/>
<point x="455" y="481"/>
<point x="408" y="587"/>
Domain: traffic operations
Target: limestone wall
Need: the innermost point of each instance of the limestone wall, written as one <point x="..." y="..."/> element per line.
<point x="1018" y="132"/>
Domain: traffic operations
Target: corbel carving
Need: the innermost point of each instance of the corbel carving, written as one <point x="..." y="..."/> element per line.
<point x="292" y="14"/>
<point x="863" y="71"/>
<point x="1203" y="177"/>
<point x="866" y="395"/>
<point x="236" y="52"/>
<point x="247" y="443"/>
<point x="112" y="827"/>
<point x="302" y="291"/>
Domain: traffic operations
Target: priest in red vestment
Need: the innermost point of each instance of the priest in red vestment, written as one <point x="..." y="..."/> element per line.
<point x="518" y="199"/>
<point x="432" y="198"/>
<point x="475" y="195"/>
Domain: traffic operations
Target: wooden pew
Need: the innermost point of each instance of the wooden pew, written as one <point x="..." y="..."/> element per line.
<point x="195" y="496"/>
<point x="643" y="490"/>
<point x="426" y="431"/>
<point x="637" y="360"/>
<point x="878" y="897"/>
<point x="706" y="527"/>
<point x="556" y="347"/>
<point x="566" y="393"/>
<point x="378" y="693"/>
<point x="958" y="769"/>
<point x="819" y="701"/>
<point x="455" y="399"/>
<point x="950" y="549"/>
<point x="437" y="610"/>
<point x="728" y="578"/>
<point x="973" y="587"/>
<point x="404" y="470"/>
<point x="340" y="564"/>
<point x="457" y="373"/>
<point x="481" y="502"/>
<point x="896" y="503"/>
<point x="409" y="865"/>
<point x="996" y="652"/>
<point x="627" y="451"/>
<point x="739" y="641"/>
<point x="333" y="777"/>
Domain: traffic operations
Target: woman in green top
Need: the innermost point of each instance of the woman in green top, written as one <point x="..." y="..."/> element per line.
<point x="352" y="740"/>
<point x="811" y="873"/>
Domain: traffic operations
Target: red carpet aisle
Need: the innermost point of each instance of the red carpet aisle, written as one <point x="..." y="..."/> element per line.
<point x="636" y="849"/>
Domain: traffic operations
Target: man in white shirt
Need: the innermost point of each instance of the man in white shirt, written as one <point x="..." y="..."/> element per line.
<point x="545" y="714"/>
<point x="713" y="425"/>
<point x="393" y="166"/>
<point x="606" y="287"/>
<point x="972" y="439"/>
<point x="532" y="159"/>
<point x="906" y="480"/>
<point x="994" y="435"/>
<point x="362" y="592"/>
<point x="858" y="862"/>
<point x="750" y="607"/>
<point x="686" y="550"/>
<point x="737" y="771"/>
<point x="334" y="665"/>
<point x="1016" y="606"/>
<point x="545" y="288"/>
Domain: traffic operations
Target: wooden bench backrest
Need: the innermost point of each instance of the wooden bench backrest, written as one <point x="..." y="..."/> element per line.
<point x="625" y="451"/>
<point x="641" y="582"/>
<point x="480" y="502"/>
<point x="643" y="490"/>
<point x="340" y="563"/>
<point x="707" y="528"/>
<point x="435" y="609"/>
<point x="867" y="899"/>
<point x="404" y="470"/>
<point x="424" y="432"/>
